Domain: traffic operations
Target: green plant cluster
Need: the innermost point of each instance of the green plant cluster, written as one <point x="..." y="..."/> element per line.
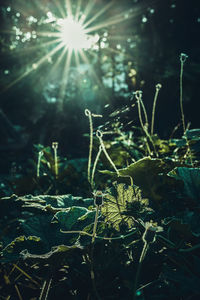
<point x="50" y="237"/>
<point x="135" y="233"/>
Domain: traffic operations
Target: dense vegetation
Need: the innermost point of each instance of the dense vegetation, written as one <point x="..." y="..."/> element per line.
<point x="99" y="186"/>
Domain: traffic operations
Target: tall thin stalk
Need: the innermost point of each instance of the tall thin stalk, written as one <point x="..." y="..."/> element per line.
<point x="183" y="58"/>
<point x="142" y="256"/>
<point x="145" y="114"/>
<point x="92" y="273"/>
<point x="99" y="134"/>
<point x="138" y="95"/>
<point x="95" y="223"/>
<point x="45" y="289"/>
<point x="94" y="166"/>
<point x="55" y="147"/>
<point x="89" y="115"/>
<point x="158" y="87"/>
<point x="149" y="237"/>
<point x="40" y="154"/>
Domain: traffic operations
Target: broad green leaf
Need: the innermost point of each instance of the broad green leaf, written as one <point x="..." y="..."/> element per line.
<point x="122" y="208"/>
<point x="191" y="179"/>
<point x="150" y="175"/>
<point x="75" y="217"/>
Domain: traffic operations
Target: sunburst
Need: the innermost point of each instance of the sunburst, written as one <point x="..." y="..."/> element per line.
<point x="71" y="36"/>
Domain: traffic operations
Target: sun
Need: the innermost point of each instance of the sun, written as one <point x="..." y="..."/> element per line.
<point x="73" y="35"/>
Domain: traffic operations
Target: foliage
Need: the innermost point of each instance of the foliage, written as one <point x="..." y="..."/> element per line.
<point x="137" y="236"/>
<point x="50" y="238"/>
<point x="124" y="207"/>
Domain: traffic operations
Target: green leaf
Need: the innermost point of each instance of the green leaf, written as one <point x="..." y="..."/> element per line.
<point x="76" y="217"/>
<point x="55" y="256"/>
<point x="123" y="206"/>
<point x="12" y="250"/>
<point x="193" y="134"/>
<point x="179" y="231"/>
<point x="191" y="179"/>
<point x="150" y="175"/>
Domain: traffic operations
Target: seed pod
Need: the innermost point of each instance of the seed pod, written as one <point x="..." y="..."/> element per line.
<point x="98" y="198"/>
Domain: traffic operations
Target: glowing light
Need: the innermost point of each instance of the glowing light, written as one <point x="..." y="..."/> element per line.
<point x="73" y="35"/>
<point x="69" y="36"/>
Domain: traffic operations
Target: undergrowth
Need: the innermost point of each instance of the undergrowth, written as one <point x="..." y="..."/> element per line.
<point x="130" y="230"/>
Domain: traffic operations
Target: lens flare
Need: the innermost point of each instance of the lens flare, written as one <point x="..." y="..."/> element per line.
<point x="73" y="35"/>
<point x="69" y="34"/>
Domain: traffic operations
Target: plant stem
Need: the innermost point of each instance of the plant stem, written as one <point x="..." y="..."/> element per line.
<point x="158" y="87"/>
<point x="92" y="274"/>
<point x="55" y="147"/>
<point x="145" y="113"/>
<point x="183" y="58"/>
<point x="95" y="223"/>
<point x="99" y="134"/>
<point x="142" y="256"/>
<point x="181" y="92"/>
<point x="89" y="115"/>
<point x="95" y="165"/>
<point x="138" y="95"/>
<point x="38" y="163"/>
<point x="45" y="289"/>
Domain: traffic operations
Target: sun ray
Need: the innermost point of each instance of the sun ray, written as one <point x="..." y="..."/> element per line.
<point x="99" y="83"/>
<point x="110" y="22"/>
<point x="121" y="17"/>
<point x="48" y="34"/>
<point x="6" y="31"/>
<point x="68" y="8"/>
<point x="60" y="9"/>
<point x="105" y="8"/>
<point x="78" y="9"/>
<point x="35" y="47"/>
<point x="91" y="52"/>
<point x="119" y="37"/>
<point x="65" y="78"/>
<point x="35" y="65"/>
<point x="55" y="37"/>
<point x="87" y="11"/>
<point x="58" y="61"/>
<point x="48" y="55"/>
<point x="77" y="60"/>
